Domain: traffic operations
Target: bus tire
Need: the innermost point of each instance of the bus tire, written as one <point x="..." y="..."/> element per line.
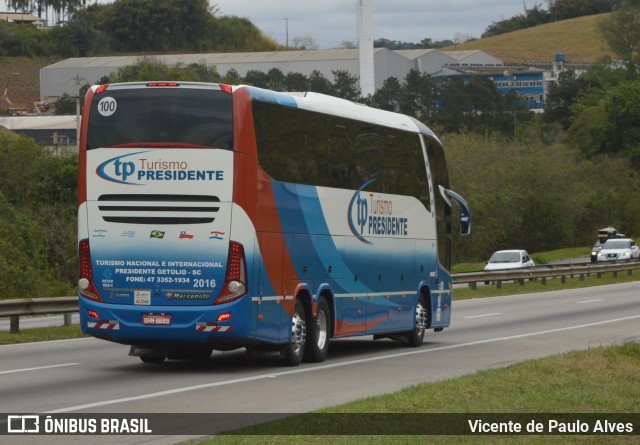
<point x="294" y="351"/>
<point x="151" y="359"/>
<point x="415" y="337"/>
<point x="318" y="334"/>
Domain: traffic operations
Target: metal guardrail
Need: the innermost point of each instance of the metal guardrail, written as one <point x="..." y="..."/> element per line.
<point x="66" y="305"/>
<point x="544" y="272"/>
<point x="36" y="306"/>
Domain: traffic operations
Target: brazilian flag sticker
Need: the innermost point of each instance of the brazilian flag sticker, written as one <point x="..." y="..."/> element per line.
<point x="157" y="234"/>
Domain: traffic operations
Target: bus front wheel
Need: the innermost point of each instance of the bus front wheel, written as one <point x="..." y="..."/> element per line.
<point x="318" y="334"/>
<point x="295" y="349"/>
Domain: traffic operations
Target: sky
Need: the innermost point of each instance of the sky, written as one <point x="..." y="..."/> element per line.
<point x="331" y="22"/>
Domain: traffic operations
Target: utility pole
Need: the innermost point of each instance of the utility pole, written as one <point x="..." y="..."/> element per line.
<point x="286" y="24"/>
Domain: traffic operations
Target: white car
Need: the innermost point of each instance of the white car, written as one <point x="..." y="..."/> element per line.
<point x="509" y="259"/>
<point x="618" y="249"/>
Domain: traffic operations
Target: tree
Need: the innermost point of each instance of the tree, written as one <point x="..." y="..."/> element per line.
<point x="561" y="97"/>
<point x="148" y="25"/>
<point x="319" y="84"/>
<point x="197" y="72"/>
<point x="566" y="9"/>
<point x="145" y="68"/>
<point x="65" y="105"/>
<point x="387" y="97"/>
<point x="485" y="102"/>
<point x="588" y="131"/>
<point x="37" y="219"/>
<point x="416" y="95"/>
<point x="621" y="31"/>
<point x="611" y="127"/>
<point x="453" y="104"/>
<point x="257" y="79"/>
<point x="230" y="33"/>
<point x="232" y="77"/>
<point x="277" y="80"/>
<point x="305" y="42"/>
<point x="622" y="106"/>
<point x="346" y="85"/>
<point x="348" y="44"/>
<point x="296" y="82"/>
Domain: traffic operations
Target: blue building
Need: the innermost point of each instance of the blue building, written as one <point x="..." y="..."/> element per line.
<point x="528" y="82"/>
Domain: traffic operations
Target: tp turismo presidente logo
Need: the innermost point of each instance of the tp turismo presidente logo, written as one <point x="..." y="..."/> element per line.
<point x="360" y="208"/>
<point x="139" y="170"/>
<point x="117" y="170"/>
<point x="373" y="214"/>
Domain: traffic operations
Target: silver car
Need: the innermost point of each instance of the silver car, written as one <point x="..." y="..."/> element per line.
<point x="509" y="259"/>
<point x="618" y="249"/>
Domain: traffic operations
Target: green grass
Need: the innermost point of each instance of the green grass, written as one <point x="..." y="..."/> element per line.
<point x="577" y="38"/>
<point x="598" y="380"/>
<point x="560" y="254"/>
<point x="555" y="284"/>
<point x="41" y="334"/>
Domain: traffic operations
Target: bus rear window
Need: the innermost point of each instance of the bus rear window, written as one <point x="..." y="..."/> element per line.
<point x="180" y="117"/>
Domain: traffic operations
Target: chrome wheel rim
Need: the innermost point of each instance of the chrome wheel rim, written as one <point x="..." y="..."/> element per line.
<point x="321" y="329"/>
<point x="421" y="318"/>
<point x="298" y="332"/>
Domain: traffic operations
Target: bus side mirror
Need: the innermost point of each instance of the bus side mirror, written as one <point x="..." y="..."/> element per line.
<point x="465" y="213"/>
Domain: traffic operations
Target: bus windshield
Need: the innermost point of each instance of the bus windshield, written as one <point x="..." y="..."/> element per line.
<point x="161" y="117"/>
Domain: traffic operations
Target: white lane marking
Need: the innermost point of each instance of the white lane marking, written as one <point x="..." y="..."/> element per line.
<point x="38" y="368"/>
<point x="590" y="301"/>
<point x="330" y="366"/>
<point x="483" y="315"/>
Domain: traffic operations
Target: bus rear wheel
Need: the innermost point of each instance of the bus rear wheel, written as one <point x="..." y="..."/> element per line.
<point x="151" y="359"/>
<point x="318" y="334"/>
<point x="415" y="337"/>
<point x="294" y="351"/>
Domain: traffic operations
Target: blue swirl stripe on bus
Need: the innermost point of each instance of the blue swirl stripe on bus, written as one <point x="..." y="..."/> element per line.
<point x="272" y="97"/>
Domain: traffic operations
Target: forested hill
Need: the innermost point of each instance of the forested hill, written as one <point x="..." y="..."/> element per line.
<point x="122" y="27"/>
<point x="174" y="26"/>
<point x="141" y="26"/>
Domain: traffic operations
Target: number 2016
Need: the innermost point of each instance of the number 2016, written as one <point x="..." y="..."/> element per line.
<point x="204" y="283"/>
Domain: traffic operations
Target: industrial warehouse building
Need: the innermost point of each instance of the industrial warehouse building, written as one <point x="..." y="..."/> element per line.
<point x="530" y="81"/>
<point x="58" y="133"/>
<point x="66" y="76"/>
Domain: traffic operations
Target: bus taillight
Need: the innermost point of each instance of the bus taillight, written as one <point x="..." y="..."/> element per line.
<point x="85" y="283"/>
<point x="235" y="282"/>
<point x="102" y="88"/>
<point x="226" y="88"/>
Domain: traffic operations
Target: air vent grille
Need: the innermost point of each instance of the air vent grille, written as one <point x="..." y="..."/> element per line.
<point x="158" y="209"/>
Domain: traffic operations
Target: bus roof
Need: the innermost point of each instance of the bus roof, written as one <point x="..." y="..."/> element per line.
<point x="322" y="103"/>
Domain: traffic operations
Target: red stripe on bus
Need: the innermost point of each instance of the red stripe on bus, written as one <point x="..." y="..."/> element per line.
<point x="253" y="192"/>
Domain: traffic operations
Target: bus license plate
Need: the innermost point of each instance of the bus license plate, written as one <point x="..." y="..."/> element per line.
<point x="156" y="319"/>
